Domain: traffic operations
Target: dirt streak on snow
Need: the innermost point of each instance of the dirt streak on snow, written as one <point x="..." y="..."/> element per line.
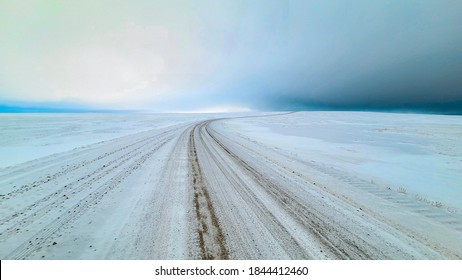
<point x="211" y="239"/>
<point x="235" y="188"/>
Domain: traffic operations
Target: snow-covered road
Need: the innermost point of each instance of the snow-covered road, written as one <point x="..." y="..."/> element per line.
<point x="201" y="190"/>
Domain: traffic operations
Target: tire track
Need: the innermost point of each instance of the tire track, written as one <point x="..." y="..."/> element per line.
<point x="56" y="160"/>
<point x="334" y="237"/>
<point x="440" y="216"/>
<point x="85" y="182"/>
<point x="278" y="227"/>
<point x="211" y="238"/>
<point x="165" y="212"/>
<point x="413" y="204"/>
<point x="327" y="235"/>
<point x="109" y="181"/>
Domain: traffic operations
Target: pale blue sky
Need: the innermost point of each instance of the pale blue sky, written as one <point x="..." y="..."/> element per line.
<point x="267" y="55"/>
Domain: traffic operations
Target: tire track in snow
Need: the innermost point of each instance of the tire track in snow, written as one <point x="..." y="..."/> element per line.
<point x="163" y="225"/>
<point x="335" y="236"/>
<point x="79" y="158"/>
<point x="256" y="224"/>
<point x="211" y="237"/>
<point x="246" y="146"/>
<point x="341" y="248"/>
<point x="105" y="183"/>
<point x="79" y="184"/>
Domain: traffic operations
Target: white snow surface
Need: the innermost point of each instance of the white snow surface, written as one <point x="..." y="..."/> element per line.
<point x="420" y="153"/>
<point x="305" y="185"/>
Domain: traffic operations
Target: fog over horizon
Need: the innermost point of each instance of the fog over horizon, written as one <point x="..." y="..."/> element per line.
<point x="232" y="55"/>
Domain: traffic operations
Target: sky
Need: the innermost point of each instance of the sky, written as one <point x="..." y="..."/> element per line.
<point x="235" y="55"/>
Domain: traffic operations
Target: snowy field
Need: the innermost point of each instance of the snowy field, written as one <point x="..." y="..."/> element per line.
<point x="306" y="185"/>
<point x="417" y="154"/>
<point x="24" y="137"/>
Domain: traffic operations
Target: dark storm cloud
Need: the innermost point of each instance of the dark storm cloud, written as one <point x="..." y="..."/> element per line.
<point x="431" y="83"/>
<point x="380" y="55"/>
